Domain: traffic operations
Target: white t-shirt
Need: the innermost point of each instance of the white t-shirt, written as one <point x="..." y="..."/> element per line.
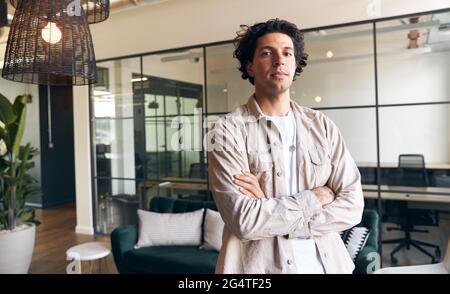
<point x="306" y="255"/>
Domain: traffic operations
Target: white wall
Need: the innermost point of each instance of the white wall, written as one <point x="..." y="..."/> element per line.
<point x="83" y="177"/>
<point x="178" y="23"/>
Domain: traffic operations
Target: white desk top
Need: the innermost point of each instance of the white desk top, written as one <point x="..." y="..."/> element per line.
<point x="413" y="194"/>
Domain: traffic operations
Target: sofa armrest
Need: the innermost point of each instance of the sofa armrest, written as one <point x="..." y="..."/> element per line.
<point x="366" y="261"/>
<point x="123" y="240"/>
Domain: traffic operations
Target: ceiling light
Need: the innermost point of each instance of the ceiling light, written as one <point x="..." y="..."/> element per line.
<point x="139" y="79"/>
<point x="57" y="49"/>
<point x="51" y="33"/>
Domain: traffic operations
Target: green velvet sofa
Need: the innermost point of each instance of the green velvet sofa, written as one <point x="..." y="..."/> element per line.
<point x="191" y="259"/>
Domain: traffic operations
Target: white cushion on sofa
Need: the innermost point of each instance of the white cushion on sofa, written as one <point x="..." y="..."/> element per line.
<point x="213" y="228"/>
<point x="355" y="239"/>
<point x="157" y="229"/>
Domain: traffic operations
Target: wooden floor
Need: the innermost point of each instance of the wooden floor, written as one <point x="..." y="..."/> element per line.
<point x="54" y="236"/>
<point x="57" y="234"/>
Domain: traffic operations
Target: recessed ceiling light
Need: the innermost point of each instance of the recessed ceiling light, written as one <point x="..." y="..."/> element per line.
<point x="318" y="99"/>
<point x="330" y="54"/>
<point x="139" y="79"/>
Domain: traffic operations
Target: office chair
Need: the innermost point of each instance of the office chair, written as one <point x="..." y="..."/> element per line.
<point x="198" y="170"/>
<point x="411" y="172"/>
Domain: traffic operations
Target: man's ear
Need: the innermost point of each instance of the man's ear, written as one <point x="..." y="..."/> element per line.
<point x="249" y="68"/>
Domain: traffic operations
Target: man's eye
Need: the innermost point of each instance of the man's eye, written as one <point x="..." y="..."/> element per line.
<point x="288" y="54"/>
<point x="266" y="53"/>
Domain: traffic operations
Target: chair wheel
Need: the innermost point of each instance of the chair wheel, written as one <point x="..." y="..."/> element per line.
<point x="437" y="253"/>
<point x="394" y="260"/>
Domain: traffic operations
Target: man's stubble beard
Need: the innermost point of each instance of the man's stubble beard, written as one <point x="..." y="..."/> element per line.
<point x="276" y="88"/>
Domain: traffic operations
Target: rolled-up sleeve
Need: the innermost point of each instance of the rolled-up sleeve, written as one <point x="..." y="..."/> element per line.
<point x="245" y="217"/>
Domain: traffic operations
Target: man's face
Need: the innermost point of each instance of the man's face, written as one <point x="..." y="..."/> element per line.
<point x="273" y="66"/>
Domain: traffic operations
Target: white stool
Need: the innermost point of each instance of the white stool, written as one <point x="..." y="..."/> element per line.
<point x="90" y="251"/>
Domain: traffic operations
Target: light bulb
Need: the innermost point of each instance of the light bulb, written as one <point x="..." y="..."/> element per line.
<point x="51" y="33"/>
<point x="330" y="54"/>
<point x="318" y="99"/>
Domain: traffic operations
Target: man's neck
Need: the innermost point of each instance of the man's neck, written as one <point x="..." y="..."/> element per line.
<point x="273" y="105"/>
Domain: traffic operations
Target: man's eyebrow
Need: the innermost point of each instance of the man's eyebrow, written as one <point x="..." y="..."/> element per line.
<point x="270" y="47"/>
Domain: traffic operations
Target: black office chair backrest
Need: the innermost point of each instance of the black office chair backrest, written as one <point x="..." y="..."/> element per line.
<point x="412" y="168"/>
<point x="411" y="161"/>
<point x="198" y="171"/>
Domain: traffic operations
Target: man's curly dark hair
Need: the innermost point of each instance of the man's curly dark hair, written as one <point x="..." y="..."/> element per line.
<point x="245" y="43"/>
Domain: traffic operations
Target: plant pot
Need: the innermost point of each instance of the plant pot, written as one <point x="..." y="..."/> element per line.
<point x="16" y="249"/>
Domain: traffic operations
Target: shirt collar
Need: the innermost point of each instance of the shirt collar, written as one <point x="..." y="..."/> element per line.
<point x="255" y="110"/>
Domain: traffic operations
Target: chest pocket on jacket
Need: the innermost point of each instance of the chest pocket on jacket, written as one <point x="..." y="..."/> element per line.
<point x="321" y="163"/>
<point x="261" y="165"/>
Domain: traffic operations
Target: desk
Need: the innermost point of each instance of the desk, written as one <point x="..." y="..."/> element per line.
<point x="184" y="186"/>
<point x="395" y="165"/>
<point x="176" y="183"/>
<point x="173" y="183"/>
<point x="370" y="191"/>
<point x="438" y="174"/>
<point x="184" y="180"/>
<point x="413" y="194"/>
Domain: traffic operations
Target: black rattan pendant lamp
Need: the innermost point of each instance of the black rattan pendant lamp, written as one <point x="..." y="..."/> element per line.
<point x="96" y="10"/>
<point x="49" y="46"/>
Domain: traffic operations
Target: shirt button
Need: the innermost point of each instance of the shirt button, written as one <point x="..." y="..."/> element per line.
<point x="289" y="261"/>
<point x="279" y="174"/>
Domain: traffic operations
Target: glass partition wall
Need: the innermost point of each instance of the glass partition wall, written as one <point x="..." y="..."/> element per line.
<point x="385" y="84"/>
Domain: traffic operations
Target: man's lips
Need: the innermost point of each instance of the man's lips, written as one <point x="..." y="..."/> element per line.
<point x="278" y="74"/>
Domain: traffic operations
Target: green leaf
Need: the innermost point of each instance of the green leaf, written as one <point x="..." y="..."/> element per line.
<point x="7" y="115"/>
<point x="34" y="221"/>
<point x="24" y="158"/>
<point x="14" y="166"/>
<point x="20" y="124"/>
<point x="4" y="136"/>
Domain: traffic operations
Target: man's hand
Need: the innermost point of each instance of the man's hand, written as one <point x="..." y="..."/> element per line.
<point x="248" y="185"/>
<point x="325" y="195"/>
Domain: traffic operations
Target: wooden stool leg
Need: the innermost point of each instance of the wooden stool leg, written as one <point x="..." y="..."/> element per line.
<point x="91" y="266"/>
<point x="100" y="265"/>
<point x="106" y="265"/>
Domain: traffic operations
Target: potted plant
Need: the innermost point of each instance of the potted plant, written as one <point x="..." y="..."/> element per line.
<point x="17" y="222"/>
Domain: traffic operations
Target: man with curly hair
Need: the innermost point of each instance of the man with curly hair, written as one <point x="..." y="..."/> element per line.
<point x="281" y="175"/>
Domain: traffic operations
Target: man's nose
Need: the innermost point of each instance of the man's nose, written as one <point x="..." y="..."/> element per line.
<point x="279" y="59"/>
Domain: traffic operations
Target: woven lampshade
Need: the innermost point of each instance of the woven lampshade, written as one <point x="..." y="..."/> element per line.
<point x="14" y="3"/>
<point x="49" y="47"/>
<point x="96" y="10"/>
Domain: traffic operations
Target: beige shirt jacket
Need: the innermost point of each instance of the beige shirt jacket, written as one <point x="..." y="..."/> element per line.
<point x="257" y="231"/>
